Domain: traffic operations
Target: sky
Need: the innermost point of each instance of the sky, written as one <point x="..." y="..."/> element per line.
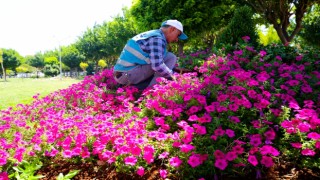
<point x="31" y="26"/>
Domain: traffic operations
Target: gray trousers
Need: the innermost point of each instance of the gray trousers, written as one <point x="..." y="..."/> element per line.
<point x="141" y="73"/>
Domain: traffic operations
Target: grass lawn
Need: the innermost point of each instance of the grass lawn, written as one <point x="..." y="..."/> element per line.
<point x="20" y="90"/>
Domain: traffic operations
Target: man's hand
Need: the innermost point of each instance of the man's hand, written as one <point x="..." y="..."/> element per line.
<point x="181" y="70"/>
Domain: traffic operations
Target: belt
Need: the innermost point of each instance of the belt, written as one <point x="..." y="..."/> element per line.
<point x="117" y="74"/>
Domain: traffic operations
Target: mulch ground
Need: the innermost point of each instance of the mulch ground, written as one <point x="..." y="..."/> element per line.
<point x="100" y="171"/>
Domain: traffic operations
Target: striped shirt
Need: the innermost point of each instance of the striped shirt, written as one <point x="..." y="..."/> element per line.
<point x="155" y="47"/>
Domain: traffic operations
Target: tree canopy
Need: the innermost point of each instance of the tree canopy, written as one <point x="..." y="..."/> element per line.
<point x="280" y="12"/>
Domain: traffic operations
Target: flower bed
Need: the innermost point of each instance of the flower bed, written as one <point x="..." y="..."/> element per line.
<point x="249" y="110"/>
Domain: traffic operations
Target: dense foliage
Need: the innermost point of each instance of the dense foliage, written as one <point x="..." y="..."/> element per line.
<point x="244" y="111"/>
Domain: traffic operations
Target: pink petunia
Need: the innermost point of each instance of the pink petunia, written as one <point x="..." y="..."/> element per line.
<point x="221" y="164"/>
<point x="308" y="152"/>
<point x="230" y="133"/>
<point x="270" y="134"/>
<point x="186" y="148"/>
<point x="4" y="176"/>
<point x="230" y="156"/>
<point x="175" y="161"/>
<point x="314" y="135"/>
<point x="253" y="160"/>
<point x="140" y="171"/>
<point x="163" y="155"/>
<point x="219" y="154"/>
<point x="163" y="173"/>
<point x="194" y="160"/>
<point x="296" y="145"/>
<point x="130" y="160"/>
<point x="266" y="161"/>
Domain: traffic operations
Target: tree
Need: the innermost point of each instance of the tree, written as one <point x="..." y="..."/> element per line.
<point x="241" y="25"/>
<point x="197" y="16"/>
<point x="11" y="60"/>
<point x="36" y="61"/>
<point x="1" y="62"/>
<point x="310" y="33"/>
<point x="107" y="40"/>
<point x="280" y="12"/>
<point x="71" y="57"/>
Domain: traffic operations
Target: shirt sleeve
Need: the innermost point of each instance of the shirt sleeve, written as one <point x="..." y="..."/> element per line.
<point x="157" y="48"/>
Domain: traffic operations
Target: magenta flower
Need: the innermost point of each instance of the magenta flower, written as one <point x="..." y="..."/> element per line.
<point x="201" y="130"/>
<point x="221" y="164"/>
<point x="140" y="171"/>
<point x="267" y="149"/>
<point x="219" y="154"/>
<point x="163" y="173"/>
<point x="230" y="156"/>
<point x="230" y="133"/>
<point x="262" y="53"/>
<point x="296" y="145"/>
<point x="308" y="152"/>
<point x="194" y="160"/>
<point x="130" y="160"/>
<point x="255" y="140"/>
<point x="314" y="135"/>
<point x="175" y="161"/>
<point x="246" y="38"/>
<point x="270" y="134"/>
<point x="4" y="176"/>
<point x="163" y="155"/>
<point x="252" y="160"/>
<point x="267" y="161"/>
<point x="186" y="148"/>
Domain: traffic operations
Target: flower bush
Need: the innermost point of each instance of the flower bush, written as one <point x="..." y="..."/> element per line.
<point x="248" y="111"/>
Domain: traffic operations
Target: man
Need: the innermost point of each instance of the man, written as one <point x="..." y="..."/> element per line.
<point x="145" y="56"/>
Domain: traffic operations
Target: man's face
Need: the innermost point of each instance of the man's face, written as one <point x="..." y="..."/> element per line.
<point x="173" y="35"/>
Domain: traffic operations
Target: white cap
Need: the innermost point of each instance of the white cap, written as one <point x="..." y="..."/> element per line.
<point x="177" y="24"/>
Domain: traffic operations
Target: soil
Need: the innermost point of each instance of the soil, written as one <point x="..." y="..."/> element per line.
<point x="102" y="171"/>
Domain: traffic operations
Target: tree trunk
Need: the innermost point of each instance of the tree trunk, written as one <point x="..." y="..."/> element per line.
<point x="3" y="72"/>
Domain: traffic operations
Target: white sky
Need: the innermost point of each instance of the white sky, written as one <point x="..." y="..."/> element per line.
<point x="31" y="26"/>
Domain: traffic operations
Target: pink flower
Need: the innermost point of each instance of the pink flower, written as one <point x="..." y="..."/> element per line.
<point x="163" y="173"/>
<point x="148" y="157"/>
<point x="219" y="154"/>
<point x="308" y="152"/>
<point x="163" y="155"/>
<point x="266" y="161"/>
<point x="299" y="58"/>
<point x="186" y="148"/>
<point x="270" y="134"/>
<point x="230" y="133"/>
<point x="246" y="38"/>
<point x="140" y="171"/>
<point x="221" y="164"/>
<point x="175" y="161"/>
<point x="238" y="149"/>
<point x="230" y="156"/>
<point x="234" y="119"/>
<point x="252" y="160"/>
<point x="219" y="132"/>
<point x="304" y="127"/>
<point x="255" y="140"/>
<point x="267" y="149"/>
<point x="201" y="130"/>
<point x="314" y="135"/>
<point x="4" y="176"/>
<point x="135" y="150"/>
<point x="278" y="58"/>
<point x="130" y="160"/>
<point x="194" y="160"/>
<point x="263" y="53"/>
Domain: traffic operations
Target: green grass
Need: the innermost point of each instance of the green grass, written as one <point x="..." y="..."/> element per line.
<point x="20" y="90"/>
